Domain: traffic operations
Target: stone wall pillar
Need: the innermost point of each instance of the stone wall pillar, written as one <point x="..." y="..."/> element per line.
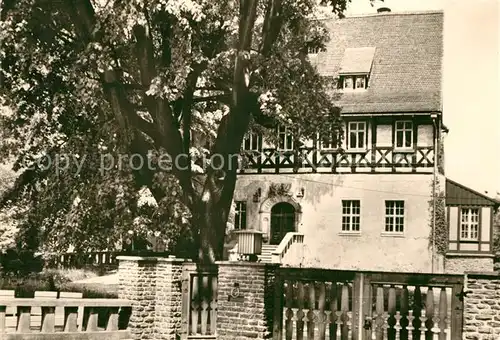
<point x="482" y="306"/>
<point x="153" y="286"/>
<point x="245" y="298"/>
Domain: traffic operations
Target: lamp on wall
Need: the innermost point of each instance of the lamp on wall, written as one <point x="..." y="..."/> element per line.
<point x="301" y="192"/>
<point x="257" y="195"/>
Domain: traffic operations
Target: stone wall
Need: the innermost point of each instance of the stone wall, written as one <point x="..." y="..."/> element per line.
<point x="482" y="307"/>
<point x="462" y="264"/>
<point x="245" y="302"/>
<point x="153" y="286"/>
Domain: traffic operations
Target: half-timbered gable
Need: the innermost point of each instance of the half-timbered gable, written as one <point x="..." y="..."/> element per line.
<point x="385" y="73"/>
<point x="470" y="220"/>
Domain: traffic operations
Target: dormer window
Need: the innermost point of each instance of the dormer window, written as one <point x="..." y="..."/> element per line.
<point x="357" y="82"/>
<point x="355" y="68"/>
<point x="314" y="50"/>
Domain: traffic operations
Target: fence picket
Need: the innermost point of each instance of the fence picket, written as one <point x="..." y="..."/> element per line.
<point x="92" y="320"/>
<point x="24" y="319"/>
<point x="322" y="321"/>
<point x="289" y="311"/>
<point x="386" y="326"/>
<point x="48" y="319"/>
<point x="213" y="305"/>
<point x="344" y="307"/>
<point x="423" y="327"/>
<point x="113" y="320"/>
<point x="410" y="327"/>
<point x="405" y="297"/>
<point x="310" y="314"/>
<point x="397" y="326"/>
<point x="443" y="312"/>
<point x="194" y="304"/>
<point x="391" y="309"/>
<point x="429" y="312"/>
<point x="338" y="335"/>
<point x="379" y="308"/>
<point x="204" y="304"/>
<point x="417" y="310"/>
<point x="300" y="312"/>
<point x="70" y="319"/>
<point x="333" y="310"/>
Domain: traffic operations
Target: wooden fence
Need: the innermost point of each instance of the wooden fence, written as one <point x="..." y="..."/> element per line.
<point x="349" y="305"/>
<point x="200" y="302"/>
<point x="76" y="260"/>
<point x="87" y="319"/>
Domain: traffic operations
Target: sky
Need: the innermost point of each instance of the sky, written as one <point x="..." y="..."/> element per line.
<point x="471" y="85"/>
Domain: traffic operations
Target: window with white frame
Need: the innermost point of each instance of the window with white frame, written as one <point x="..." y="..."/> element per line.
<point x="351" y="215"/>
<point x="356" y="135"/>
<point x="285" y="139"/>
<point x="240" y="216"/>
<point x="252" y="142"/>
<point x="394" y="216"/>
<point x="355" y="82"/>
<point x="469" y="224"/>
<point x="404" y="134"/>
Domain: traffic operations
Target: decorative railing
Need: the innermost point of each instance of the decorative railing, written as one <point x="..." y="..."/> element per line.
<point x="316" y="160"/>
<point x="101" y="319"/>
<point x="337" y="305"/>
<point x="199" y="312"/>
<point x="286" y="246"/>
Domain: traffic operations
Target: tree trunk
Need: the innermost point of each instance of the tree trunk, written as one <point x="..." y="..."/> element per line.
<point x="210" y="215"/>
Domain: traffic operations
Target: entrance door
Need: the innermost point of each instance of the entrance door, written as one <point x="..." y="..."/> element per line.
<point x="282" y="221"/>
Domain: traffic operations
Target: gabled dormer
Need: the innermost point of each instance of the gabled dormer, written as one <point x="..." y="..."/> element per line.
<point x="354" y="74"/>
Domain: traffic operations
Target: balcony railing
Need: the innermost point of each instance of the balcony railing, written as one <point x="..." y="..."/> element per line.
<point x="316" y="160"/>
<point x="290" y="247"/>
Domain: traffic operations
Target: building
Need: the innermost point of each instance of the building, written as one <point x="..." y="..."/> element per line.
<point x="367" y="205"/>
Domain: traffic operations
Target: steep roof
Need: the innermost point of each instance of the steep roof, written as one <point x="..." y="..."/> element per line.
<point x="458" y="194"/>
<point x="406" y="70"/>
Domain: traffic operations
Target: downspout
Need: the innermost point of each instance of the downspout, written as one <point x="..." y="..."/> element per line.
<point x="435" y="122"/>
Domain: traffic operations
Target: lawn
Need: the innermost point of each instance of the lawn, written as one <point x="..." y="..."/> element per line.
<point x="58" y="280"/>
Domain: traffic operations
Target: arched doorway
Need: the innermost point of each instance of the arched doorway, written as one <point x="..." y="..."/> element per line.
<point x="282" y="221"/>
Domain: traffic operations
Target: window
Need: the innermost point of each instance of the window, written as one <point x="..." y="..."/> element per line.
<point x="357" y="135"/>
<point x="351" y="211"/>
<point x="394" y="216"/>
<point x="252" y="142"/>
<point x="469" y="225"/>
<point x="328" y="139"/>
<point x="240" y="217"/>
<point x="359" y="82"/>
<point x="314" y="50"/>
<point x="404" y="134"/>
<point x="285" y="139"/>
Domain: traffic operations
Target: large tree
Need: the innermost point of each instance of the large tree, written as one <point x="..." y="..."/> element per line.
<point x="85" y="80"/>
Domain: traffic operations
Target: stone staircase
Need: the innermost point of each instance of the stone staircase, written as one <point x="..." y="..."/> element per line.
<point x="267" y="249"/>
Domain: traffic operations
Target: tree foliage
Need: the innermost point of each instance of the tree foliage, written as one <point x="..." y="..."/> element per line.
<point x="438" y="230"/>
<point x="84" y="79"/>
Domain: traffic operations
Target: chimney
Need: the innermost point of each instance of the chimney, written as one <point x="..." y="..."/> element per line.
<point x="383" y="10"/>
